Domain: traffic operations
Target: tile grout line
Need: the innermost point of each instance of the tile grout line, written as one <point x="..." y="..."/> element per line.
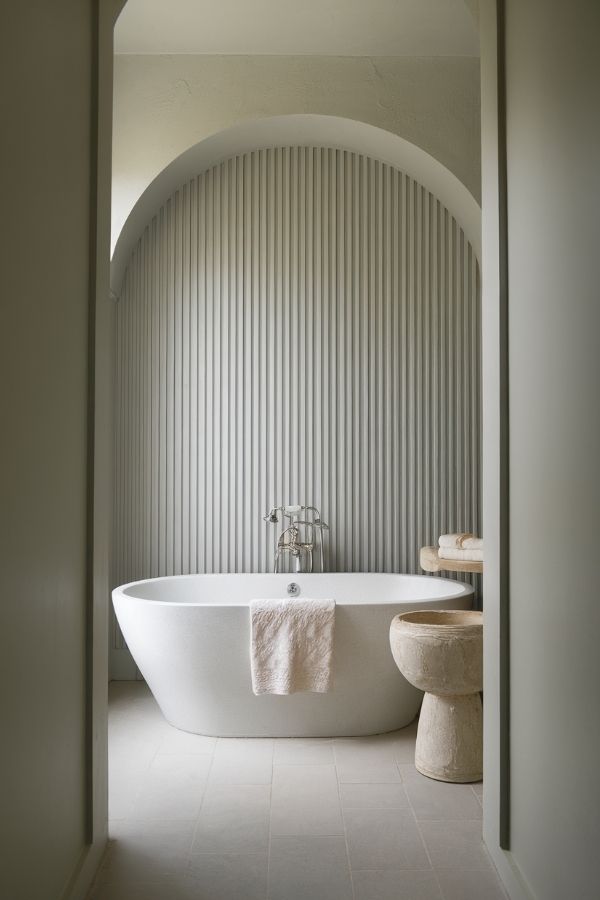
<point x="458" y="868"/>
<point x="268" y="885"/>
<point x="197" y="819"/>
<point x="337" y="778"/>
<point x="144" y="772"/>
<point x="418" y="824"/>
<point x="479" y="799"/>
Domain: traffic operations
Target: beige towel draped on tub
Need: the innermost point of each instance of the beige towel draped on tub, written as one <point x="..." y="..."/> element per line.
<point x="292" y="645"/>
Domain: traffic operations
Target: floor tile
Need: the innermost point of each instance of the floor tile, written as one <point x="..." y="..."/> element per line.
<point x="395" y="884"/>
<point x="172" y="787"/>
<point x="303" y="751"/>
<point x="478" y="789"/>
<point x="179" y="888"/>
<point x="142" y="709"/>
<point x="129" y="759"/>
<point x="131" y="699"/>
<point x="233" y="819"/>
<point x="367" y="760"/>
<point x="305" y="801"/>
<point x="309" y="868"/>
<point x="124" y="785"/>
<point x="455" y="844"/>
<point x="366" y="773"/>
<point x="146" y="850"/>
<point x="236" y="749"/>
<point x="138" y="721"/>
<point x="470" y="885"/>
<point x="373" y="796"/>
<point x="230" y="876"/>
<point x="135" y="731"/>
<point x="242" y="761"/>
<point x="176" y="741"/>
<point x="192" y="816"/>
<point x="432" y="799"/>
<point x="384" y="839"/>
<point x="364" y="751"/>
<point x="404" y="744"/>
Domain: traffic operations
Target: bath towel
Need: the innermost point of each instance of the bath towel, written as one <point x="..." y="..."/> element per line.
<point x="463" y="555"/>
<point x="462" y="541"/>
<point x="291" y="645"/>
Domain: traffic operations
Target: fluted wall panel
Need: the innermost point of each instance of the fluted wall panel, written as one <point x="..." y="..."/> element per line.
<point x="299" y="324"/>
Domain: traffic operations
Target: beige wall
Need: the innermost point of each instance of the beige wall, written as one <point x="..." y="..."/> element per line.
<point x="51" y="834"/>
<point x="45" y="294"/>
<point x="165" y="104"/>
<point x="553" y="488"/>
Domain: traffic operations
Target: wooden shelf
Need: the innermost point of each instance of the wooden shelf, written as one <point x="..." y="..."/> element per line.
<point x="431" y="562"/>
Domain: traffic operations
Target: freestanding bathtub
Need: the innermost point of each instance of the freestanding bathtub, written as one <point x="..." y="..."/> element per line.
<point x="190" y="637"/>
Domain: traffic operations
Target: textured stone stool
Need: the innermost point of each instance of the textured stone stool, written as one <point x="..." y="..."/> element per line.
<point x="441" y="652"/>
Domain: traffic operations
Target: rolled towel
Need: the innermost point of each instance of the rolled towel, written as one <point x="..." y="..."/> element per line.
<point x="461" y="541"/>
<point x="292" y="645"/>
<point x="462" y="555"/>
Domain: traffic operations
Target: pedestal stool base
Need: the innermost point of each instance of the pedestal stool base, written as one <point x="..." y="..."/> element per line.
<point x="450" y="738"/>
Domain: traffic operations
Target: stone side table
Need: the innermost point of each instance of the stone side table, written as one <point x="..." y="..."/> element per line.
<point x="441" y="652"/>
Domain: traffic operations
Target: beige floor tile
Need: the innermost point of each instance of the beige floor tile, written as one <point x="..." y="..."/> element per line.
<point x="176" y="741"/>
<point x="455" y="844"/>
<point x="233" y="819"/>
<point x="384" y="839"/>
<point x="230" y="876"/>
<point x="309" y="868"/>
<point x="373" y="796"/>
<point x="478" y="789"/>
<point x="181" y="887"/>
<point x="242" y="761"/>
<point x="404" y="744"/>
<point x="395" y="884"/>
<point x="305" y="801"/>
<point x="146" y="850"/>
<point x="432" y="799"/>
<point x="124" y="785"/>
<point x="303" y="751"/>
<point x="375" y="750"/>
<point x="463" y="884"/>
<point x="172" y="787"/>
<point x="367" y="773"/>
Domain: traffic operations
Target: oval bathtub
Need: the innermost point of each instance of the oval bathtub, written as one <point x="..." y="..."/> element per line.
<point x="190" y="637"/>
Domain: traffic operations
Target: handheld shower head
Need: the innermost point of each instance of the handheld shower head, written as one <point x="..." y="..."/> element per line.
<point x="271" y="516"/>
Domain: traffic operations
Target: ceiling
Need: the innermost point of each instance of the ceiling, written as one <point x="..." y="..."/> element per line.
<point x="299" y="27"/>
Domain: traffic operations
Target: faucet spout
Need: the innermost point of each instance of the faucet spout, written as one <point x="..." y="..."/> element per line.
<point x="302" y="536"/>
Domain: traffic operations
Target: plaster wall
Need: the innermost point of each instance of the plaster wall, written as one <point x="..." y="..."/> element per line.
<point x="165" y="104"/>
<point x="55" y="317"/>
<point x="553" y="134"/>
<point x="552" y="71"/>
<point x="47" y="150"/>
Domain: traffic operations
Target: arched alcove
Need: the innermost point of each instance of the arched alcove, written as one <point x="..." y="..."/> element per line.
<point x="296" y="323"/>
<point x="300" y="130"/>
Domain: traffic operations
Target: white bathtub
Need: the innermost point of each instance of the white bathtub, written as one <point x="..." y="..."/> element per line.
<point x="190" y="637"/>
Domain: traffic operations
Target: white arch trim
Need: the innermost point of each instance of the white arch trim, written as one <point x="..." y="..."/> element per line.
<point x="299" y="130"/>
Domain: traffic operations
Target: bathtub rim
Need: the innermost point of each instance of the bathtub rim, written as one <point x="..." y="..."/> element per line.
<point x="465" y="589"/>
